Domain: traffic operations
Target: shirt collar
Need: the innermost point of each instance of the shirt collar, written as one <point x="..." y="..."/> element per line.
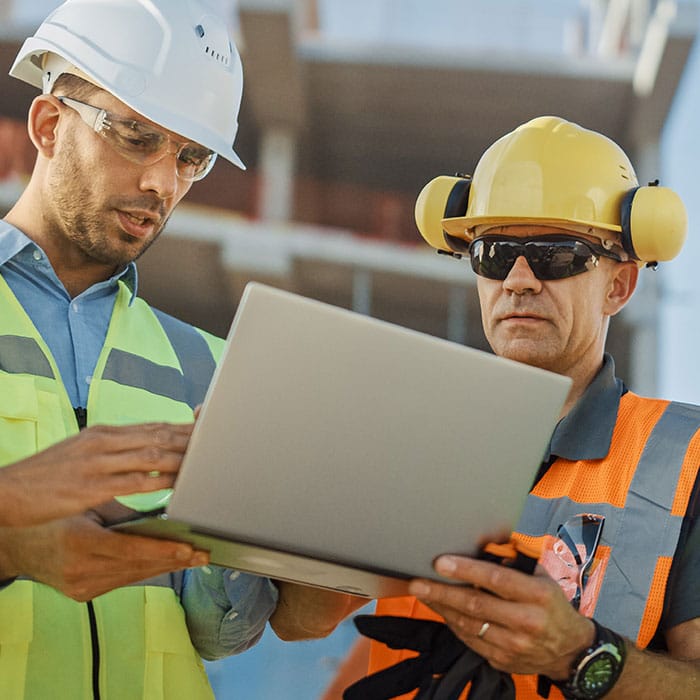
<point x="13" y="242"/>
<point x="586" y="431"/>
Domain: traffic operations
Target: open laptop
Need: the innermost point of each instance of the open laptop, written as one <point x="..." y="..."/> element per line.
<point x="345" y="452"/>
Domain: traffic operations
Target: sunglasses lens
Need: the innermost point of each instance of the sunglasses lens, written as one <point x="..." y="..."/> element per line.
<point x="493" y="259"/>
<point x="548" y="259"/>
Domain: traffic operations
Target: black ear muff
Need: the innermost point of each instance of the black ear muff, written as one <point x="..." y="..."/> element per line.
<point x="654" y="223"/>
<point x="458" y="199"/>
<point x="625" y="218"/>
<point x="456" y="206"/>
<point x="442" y="198"/>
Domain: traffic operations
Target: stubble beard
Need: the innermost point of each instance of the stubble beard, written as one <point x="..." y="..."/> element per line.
<point x="89" y="225"/>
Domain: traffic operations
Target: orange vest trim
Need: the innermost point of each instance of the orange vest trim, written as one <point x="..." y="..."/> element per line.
<point x="632" y="562"/>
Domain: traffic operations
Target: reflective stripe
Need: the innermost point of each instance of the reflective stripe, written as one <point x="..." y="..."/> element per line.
<point x="20" y="355"/>
<point x="187" y="386"/>
<point x="193" y="353"/>
<point x="649" y="526"/>
<point x="542" y="516"/>
<point x="138" y="372"/>
<point x="639" y="533"/>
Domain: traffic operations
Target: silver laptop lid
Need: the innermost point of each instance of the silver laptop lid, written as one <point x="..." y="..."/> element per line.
<point x="340" y="437"/>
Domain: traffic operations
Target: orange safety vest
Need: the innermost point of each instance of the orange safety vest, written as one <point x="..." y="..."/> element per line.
<point x="642" y="487"/>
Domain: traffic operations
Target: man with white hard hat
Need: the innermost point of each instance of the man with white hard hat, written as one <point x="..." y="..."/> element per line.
<point x="98" y="389"/>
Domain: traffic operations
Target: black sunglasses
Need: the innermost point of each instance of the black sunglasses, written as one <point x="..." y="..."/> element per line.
<point x="549" y="257"/>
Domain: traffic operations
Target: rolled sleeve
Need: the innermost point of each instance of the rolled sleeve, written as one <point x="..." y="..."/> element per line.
<point x="226" y="610"/>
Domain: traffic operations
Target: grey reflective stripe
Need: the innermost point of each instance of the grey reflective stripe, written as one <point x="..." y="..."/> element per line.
<point x="194" y="355"/>
<point x="20" y="355"/>
<point x="136" y="371"/>
<point x="192" y="352"/>
<point x="542" y="516"/>
<point x="638" y="534"/>
<point x="649" y="530"/>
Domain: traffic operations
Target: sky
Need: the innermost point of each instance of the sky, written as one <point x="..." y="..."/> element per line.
<point x="680" y="318"/>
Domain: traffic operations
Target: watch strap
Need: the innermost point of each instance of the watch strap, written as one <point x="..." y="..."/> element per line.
<point x="573" y="687"/>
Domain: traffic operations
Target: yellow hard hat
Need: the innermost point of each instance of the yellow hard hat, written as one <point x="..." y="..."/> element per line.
<point x="553" y="172"/>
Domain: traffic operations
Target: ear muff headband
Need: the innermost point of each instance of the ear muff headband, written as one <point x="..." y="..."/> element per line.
<point x="625" y="223"/>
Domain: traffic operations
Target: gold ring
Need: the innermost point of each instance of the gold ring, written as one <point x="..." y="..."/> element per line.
<point x="484" y="629"/>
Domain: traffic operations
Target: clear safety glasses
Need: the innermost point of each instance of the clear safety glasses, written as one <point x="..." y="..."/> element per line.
<point x="552" y="257"/>
<point x="576" y="544"/>
<point x="142" y="143"/>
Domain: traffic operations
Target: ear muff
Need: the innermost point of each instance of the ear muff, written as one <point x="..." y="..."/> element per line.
<point x="443" y="197"/>
<point x="654" y="223"/>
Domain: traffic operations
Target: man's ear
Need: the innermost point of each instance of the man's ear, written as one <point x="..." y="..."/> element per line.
<point x="42" y="124"/>
<point x="623" y="282"/>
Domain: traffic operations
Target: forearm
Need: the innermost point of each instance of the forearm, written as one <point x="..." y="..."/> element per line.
<point x="304" y="612"/>
<point x="658" y="676"/>
<point x="11" y="497"/>
<point x="8" y="568"/>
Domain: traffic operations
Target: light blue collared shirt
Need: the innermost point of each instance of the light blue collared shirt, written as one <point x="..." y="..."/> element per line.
<point x="226" y="610"/>
<point x="74" y="329"/>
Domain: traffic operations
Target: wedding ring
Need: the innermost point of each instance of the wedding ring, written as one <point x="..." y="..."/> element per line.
<point x="484" y="629"/>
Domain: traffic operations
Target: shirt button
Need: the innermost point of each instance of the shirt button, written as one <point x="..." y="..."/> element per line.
<point x="37" y="255"/>
<point x="88" y="379"/>
<point x="75" y="306"/>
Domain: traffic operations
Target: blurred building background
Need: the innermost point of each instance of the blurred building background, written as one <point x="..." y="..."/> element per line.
<point x="348" y="110"/>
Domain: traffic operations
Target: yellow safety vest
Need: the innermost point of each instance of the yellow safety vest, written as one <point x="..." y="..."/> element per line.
<point x="131" y="643"/>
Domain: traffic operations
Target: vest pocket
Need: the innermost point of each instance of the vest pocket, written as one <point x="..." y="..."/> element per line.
<point x="173" y="667"/>
<point x="17" y="620"/>
<point x="19" y="417"/>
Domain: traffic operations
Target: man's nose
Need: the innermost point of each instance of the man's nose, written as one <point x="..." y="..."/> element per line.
<point x="521" y="279"/>
<point x="161" y="177"/>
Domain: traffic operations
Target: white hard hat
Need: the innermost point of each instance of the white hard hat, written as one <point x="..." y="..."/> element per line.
<point x="171" y="61"/>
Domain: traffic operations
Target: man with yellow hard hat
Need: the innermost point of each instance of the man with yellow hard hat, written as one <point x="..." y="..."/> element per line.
<point x="556" y="227"/>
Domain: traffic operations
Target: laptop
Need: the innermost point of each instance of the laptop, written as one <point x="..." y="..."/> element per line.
<point x="345" y="452"/>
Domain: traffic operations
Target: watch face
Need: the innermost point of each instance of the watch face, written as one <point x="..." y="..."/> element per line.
<point x="598" y="674"/>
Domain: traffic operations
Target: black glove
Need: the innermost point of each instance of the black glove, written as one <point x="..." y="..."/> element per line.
<point x="441" y="670"/>
<point x="444" y="665"/>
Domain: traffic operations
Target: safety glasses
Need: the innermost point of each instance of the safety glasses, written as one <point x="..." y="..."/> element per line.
<point x="576" y="544"/>
<point x="553" y="257"/>
<point x="142" y="143"/>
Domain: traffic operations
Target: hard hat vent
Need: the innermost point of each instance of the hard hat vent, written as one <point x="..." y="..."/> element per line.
<point x="214" y="41"/>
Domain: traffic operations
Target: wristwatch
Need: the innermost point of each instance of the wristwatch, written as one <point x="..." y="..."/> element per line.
<point x="597" y="669"/>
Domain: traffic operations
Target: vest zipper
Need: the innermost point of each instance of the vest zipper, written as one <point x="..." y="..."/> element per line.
<point x="95" y="642"/>
<point x="81" y="416"/>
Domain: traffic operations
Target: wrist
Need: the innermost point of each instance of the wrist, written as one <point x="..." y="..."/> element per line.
<point x="585" y="638"/>
<point x="596" y="669"/>
<point x="8" y="570"/>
